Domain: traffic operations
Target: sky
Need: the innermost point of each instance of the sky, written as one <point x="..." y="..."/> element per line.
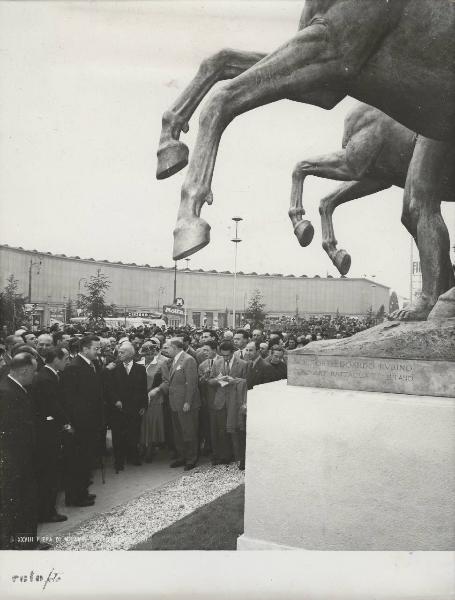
<point x="83" y="89"/>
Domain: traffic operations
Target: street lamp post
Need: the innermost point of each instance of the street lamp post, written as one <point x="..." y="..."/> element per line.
<point x="175" y="281"/>
<point x="30" y="269"/>
<point x="161" y="290"/>
<point x="236" y="241"/>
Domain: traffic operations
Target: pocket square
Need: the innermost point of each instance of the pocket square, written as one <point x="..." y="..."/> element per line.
<point x="178" y="368"/>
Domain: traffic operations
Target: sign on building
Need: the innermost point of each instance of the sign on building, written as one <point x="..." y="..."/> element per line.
<point x="174" y="311"/>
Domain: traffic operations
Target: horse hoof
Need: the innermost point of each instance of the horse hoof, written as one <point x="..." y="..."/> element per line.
<point x="304" y="232"/>
<point x="172" y="157"/>
<point x="342" y="261"/>
<point x="190" y="237"/>
<point x="444" y="307"/>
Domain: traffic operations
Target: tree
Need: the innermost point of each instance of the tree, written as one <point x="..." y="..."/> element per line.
<point x="93" y="302"/>
<point x="370" y="320"/>
<point x="255" y="312"/>
<point x="380" y="314"/>
<point x="393" y="302"/>
<point x="12" y="305"/>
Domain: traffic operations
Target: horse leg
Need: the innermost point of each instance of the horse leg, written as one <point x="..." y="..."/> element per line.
<point x="328" y="166"/>
<point x="304" y="64"/>
<point x="430" y="180"/>
<point x="226" y="64"/>
<point x="345" y="193"/>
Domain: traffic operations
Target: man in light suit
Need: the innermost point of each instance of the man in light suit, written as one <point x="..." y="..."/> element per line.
<point x="180" y="381"/>
<point x="228" y="376"/>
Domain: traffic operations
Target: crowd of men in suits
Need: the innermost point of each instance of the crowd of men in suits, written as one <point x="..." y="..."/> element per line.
<point x="59" y="394"/>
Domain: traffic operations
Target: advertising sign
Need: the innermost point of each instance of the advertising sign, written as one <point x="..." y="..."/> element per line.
<point x="173" y="311"/>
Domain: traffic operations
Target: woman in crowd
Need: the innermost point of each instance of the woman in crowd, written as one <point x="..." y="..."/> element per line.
<point x="152" y="428"/>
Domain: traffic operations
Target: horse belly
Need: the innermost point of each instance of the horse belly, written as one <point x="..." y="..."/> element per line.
<point x="412" y="75"/>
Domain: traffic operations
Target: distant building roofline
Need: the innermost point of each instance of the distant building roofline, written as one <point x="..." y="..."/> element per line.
<point x="104" y="262"/>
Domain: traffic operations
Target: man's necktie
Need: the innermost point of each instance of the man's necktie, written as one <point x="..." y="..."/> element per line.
<point x="241" y="354"/>
<point x="93" y="367"/>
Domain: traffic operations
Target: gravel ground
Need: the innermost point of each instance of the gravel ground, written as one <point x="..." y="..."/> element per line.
<point x="125" y="526"/>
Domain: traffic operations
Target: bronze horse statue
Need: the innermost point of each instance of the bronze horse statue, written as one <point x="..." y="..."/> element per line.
<point x="396" y="55"/>
<point x="376" y="152"/>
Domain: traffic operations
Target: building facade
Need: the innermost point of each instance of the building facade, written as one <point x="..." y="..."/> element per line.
<point x="51" y="280"/>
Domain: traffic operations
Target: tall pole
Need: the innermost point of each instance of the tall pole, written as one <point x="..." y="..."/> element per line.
<point x="236" y="241"/>
<point x="32" y="264"/>
<point x="175" y="281"/>
<point x="30" y="281"/>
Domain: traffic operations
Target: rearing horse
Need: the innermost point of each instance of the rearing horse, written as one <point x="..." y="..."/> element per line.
<point x="396" y="55"/>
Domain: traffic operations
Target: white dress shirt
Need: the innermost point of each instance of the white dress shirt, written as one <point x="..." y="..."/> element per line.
<point x="176" y="357"/>
<point x="128" y="366"/>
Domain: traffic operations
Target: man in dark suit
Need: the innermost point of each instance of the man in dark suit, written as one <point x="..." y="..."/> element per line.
<point x="277" y="365"/>
<point x="259" y="371"/>
<point x="44" y="343"/>
<point x="83" y="403"/>
<point x="241" y="338"/>
<point x="52" y="420"/>
<point x="127" y="399"/>
<point x="10" y="341"/>
<point x="180" y="381"/>
<point x="18" y="507"/>
<point x="228" y="376"/>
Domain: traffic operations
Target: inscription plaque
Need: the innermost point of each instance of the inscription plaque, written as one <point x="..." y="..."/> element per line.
<point x="420" y="377"/>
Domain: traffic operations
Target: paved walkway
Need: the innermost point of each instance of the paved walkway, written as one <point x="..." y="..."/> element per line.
<point x="118" y="489"/>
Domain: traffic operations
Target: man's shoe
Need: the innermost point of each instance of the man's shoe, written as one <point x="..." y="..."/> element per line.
<point x="54" y="519"/>
<point x="177" y="463"/>
<point x="189" y="466"/>
<point x="91" y="496"/>
<point x="216" y="462"/>
<point x="242" y="465"/>
<point x="86" y="502"/>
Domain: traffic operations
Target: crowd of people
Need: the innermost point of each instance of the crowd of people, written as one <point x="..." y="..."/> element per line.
<point x="61" y="392"/>
<point x="177" y="391"/>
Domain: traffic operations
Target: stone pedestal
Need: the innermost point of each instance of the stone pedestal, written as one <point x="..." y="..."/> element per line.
<point x="330" y="469"/>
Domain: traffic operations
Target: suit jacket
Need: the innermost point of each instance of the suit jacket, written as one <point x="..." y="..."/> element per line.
<point x="207" y="391"/>
<point x="180" y="381"/>
<point x="239" y="353"/>
<point x="260" y="372"/>
<point x="130" y="389"/>
<point x="83" y="395"/>
<point x="278" y="371"/>
<point x="18" y="464"/>
<point x="47" y="393"/>
<point x="223" y="395"/>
